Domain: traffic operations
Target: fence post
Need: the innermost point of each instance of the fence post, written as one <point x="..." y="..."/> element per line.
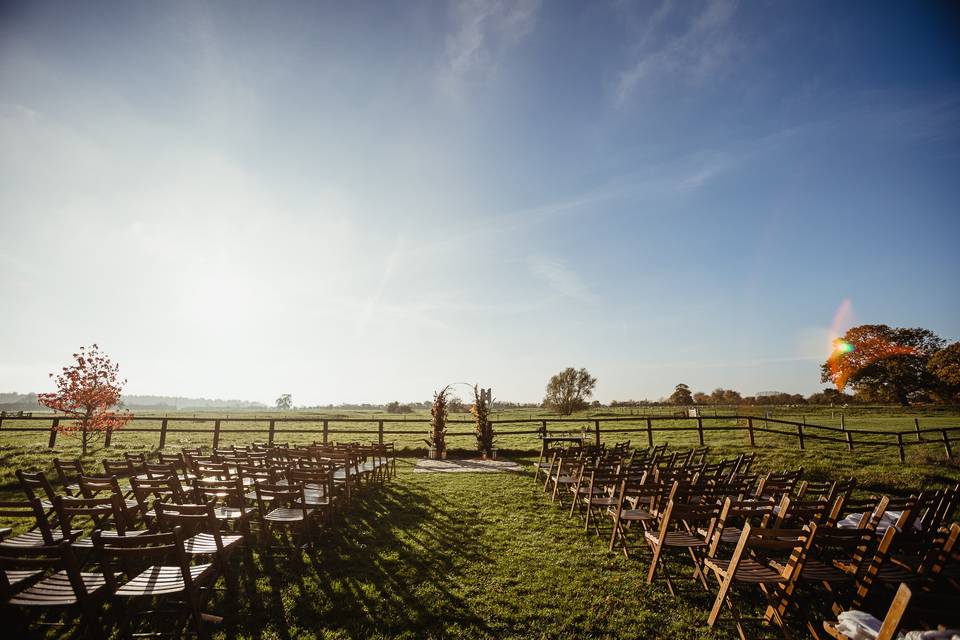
<point x="54" y="427"/>
<point x="700" y="429"/>
<point x="849" y="440"/>
<point x="649" y="433"/>
<point x="216" y="434"/>
<point x="543" y="428"/>
<point x="163" y="433"/>
<point x="800" y="434"/>
<point x="843" y="424"/>
<point x="596" y="432"/>
<point x="270" y="432"/>
<point x="900" y="446"/>
<point x="946" y="444"/>
<point x="380" y="431"/>
<point x="916" y="425"/>
<point x="326" y="430"/>
<point x="108" y="438"/>
<point x="750" y="431"/>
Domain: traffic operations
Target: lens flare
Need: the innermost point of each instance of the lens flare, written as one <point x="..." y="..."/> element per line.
<point x="842" y="346"/>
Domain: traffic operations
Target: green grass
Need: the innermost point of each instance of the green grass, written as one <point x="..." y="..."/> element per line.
<point x="484" y="555"/>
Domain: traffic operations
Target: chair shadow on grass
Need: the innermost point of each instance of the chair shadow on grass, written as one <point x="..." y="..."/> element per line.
<point x="388" y="566"/>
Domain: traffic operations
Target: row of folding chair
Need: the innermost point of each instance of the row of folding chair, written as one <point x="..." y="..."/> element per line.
<point x="778" y="531"/>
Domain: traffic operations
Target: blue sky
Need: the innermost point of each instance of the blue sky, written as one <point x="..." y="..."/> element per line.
<point x="366" y="201"/>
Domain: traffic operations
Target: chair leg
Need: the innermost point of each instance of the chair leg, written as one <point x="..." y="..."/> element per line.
<point x="698" y="571"/>
<point x="725" y="586"/>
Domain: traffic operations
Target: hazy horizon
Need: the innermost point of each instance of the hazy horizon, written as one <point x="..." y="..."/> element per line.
<point x="368" y="201"/>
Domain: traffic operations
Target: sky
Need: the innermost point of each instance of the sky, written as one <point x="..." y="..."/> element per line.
<point x="365" y="201"/>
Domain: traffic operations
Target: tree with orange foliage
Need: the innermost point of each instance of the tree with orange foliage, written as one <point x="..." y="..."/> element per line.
<point x="88" y="391"/>
<point x="883" y="361"/>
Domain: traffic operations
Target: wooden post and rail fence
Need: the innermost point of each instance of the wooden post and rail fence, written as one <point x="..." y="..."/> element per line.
<point x="803" y="431"/>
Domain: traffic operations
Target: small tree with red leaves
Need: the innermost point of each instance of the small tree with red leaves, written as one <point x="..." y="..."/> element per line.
<point x="88" y="392"/>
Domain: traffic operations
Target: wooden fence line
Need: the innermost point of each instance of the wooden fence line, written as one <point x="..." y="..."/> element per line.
<point x="945" y="436"/>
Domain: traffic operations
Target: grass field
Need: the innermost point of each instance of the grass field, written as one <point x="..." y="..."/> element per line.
<point x="483" y="556"/>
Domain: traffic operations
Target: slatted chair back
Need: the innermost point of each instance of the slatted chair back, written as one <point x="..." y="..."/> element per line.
<point x="250" y="474"/>
<point x="68" y="471"/>
<point x="216" y="470"/>
<point x="176" y="459"/>
<point x="795" y="513"/>
<point x="928" y="512"/>
<point x="94" y="486"/>
<point x="743" y="464"/>
<point x="149" y="491"/>
<point x="119" y="468"/>
<point x="318" y="475"/>
<point x="77" y="514"/>
<point x="190" y="452"/>
<point x="41" y="532"/>
<point x="856" y="513"/>
<point x="138" y="458"/>
<point x="311" y="463"/>
<point x="227" y="492"/>
<point x="190" y="518"/>
<point x="734" y="515"/>
<point x="776" y="485"/>
<point x="876" y="570"/>
<point x="234" y="458"/>
<point x="699" y="455"/>
<point x="940" y="553"/>
<point x="901" y="510"/>
<point x="154" y="470"/>
<point x="257" y="458"/>
<point x="317" y="485"/>
<point x="36" y="485"/>
<point x="737" y="487"/>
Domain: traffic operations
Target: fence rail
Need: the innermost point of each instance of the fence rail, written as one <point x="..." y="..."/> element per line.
<point x="945" y="436"/>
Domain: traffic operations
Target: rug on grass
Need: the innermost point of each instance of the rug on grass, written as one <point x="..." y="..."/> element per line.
<point x="465" y="466"/>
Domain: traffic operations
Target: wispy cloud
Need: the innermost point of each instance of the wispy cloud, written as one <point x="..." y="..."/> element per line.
<point x="483" y="32"/>
<point x="559" y="277"/>
<point x="701" y="47"/>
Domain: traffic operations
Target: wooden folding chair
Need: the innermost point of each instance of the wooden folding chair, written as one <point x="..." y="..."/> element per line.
<point x="168" y="573"/>
<point x="749" y="566"/>
<point x="68" y="471"/>
<point x="318" y="488"/>
<point x="284" y="507"/>
<point x="229" y="501"/>
<point x="733" y="516"/>
<point x="99" y="513"/>
<point x="636" y="504"/>
<point x="149" y="491"/>
<point x="36" y="485"/>
<point x="910" y="609"/>
<point x="678" y="531"/>
<point x="98" y="487"/>
<point x="201" y="530"/>
<point x="40" y="533"/>
<point x="597" y="494"/>
<point x="49" y="577"/>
